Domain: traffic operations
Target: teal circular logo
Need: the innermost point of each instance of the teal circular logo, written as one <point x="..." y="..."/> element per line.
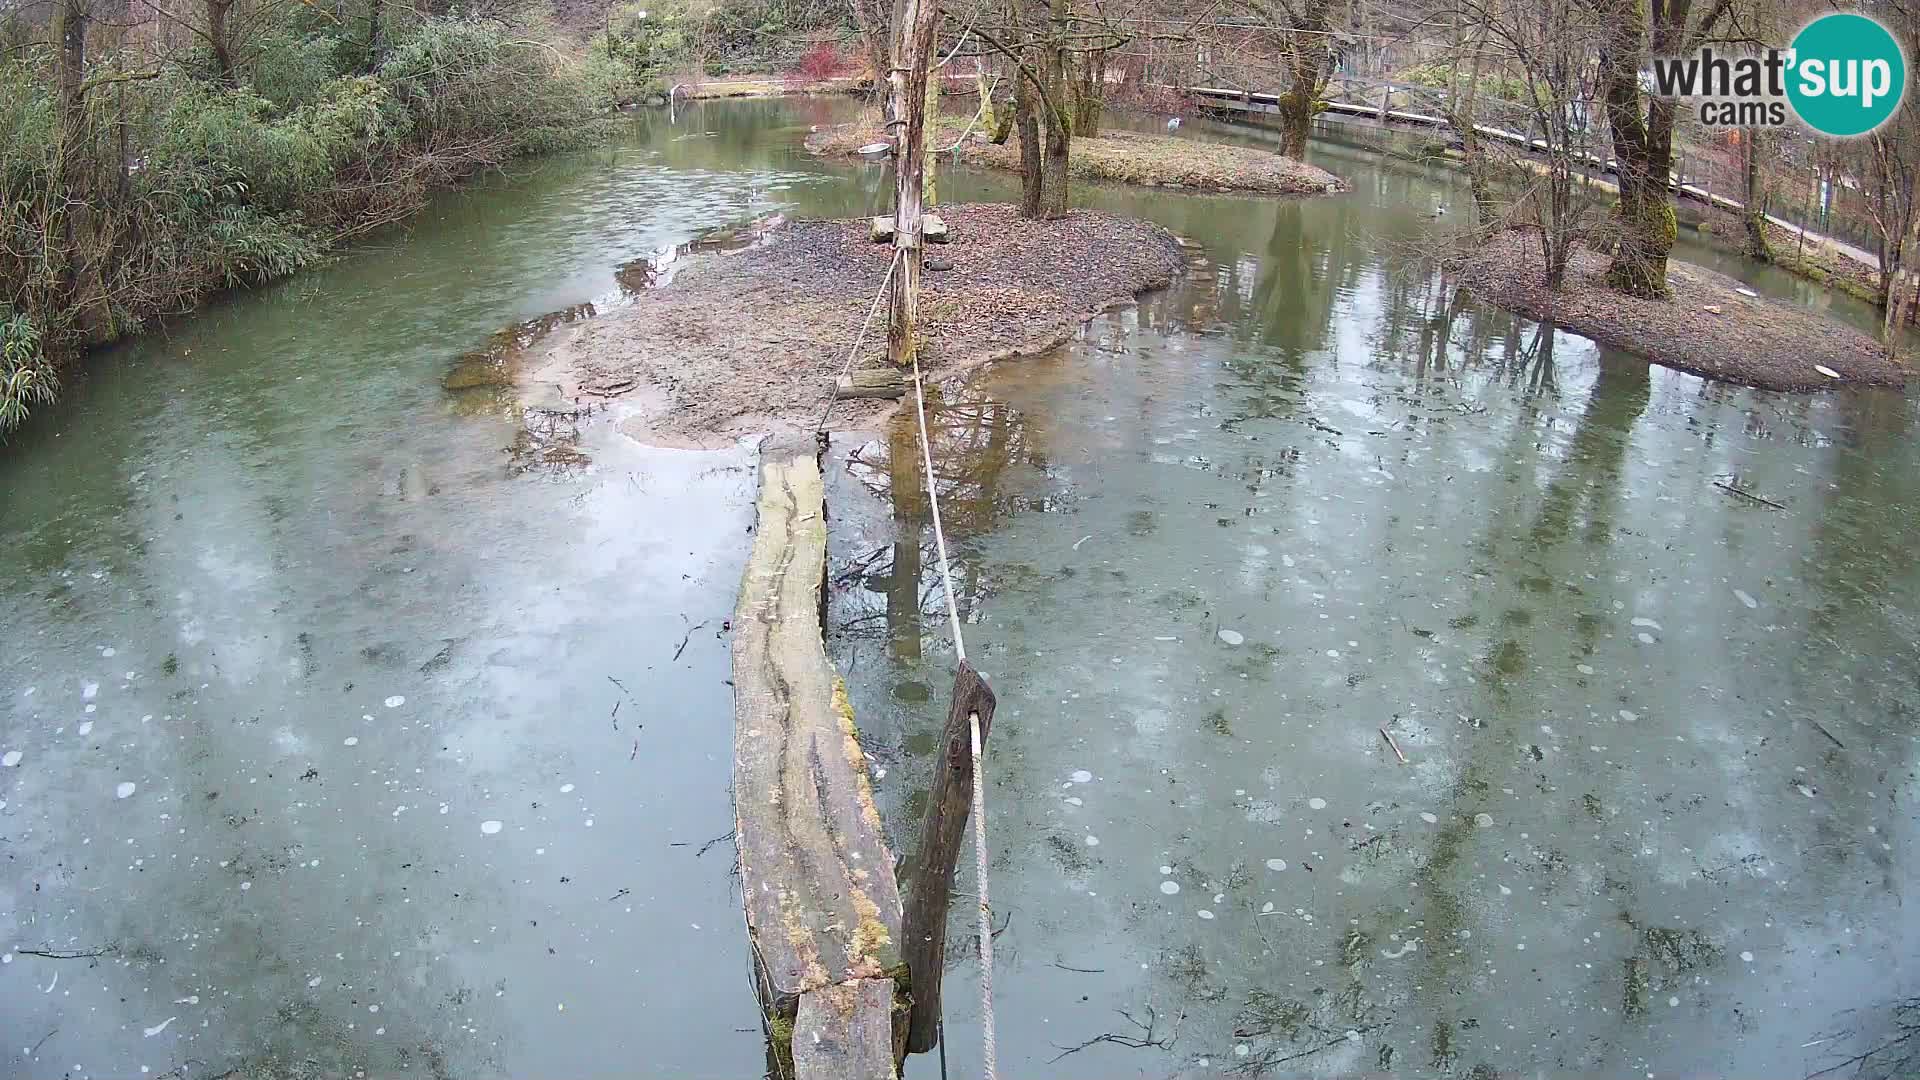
<point x="1848" y="75"/>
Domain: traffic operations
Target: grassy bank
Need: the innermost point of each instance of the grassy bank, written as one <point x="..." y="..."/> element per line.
<point x="136" y="184"/>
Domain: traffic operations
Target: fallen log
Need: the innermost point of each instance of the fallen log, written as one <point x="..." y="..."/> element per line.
<point x="822" y="904"/>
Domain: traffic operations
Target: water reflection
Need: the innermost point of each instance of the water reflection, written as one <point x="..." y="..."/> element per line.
<point x="1209" y="551"/>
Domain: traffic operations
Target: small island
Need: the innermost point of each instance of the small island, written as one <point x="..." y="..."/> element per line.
<point x="754" y="339"/>
<point x="1125" y="157"/>
<point x="1711" y="325"/>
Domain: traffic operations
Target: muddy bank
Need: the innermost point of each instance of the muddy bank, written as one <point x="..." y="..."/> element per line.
<point x="1708" y="328"/>
<point x="1124" y="157"/>
<point x="752" y="341"/>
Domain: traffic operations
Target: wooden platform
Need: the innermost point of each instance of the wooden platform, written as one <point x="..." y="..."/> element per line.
<point x="822" y="904"/>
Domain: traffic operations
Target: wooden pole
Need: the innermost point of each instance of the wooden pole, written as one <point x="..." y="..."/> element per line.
<point x="942" y="831"/>
<point x="908" y="85"/>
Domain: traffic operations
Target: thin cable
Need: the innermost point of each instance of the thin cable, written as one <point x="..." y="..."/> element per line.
<point x="933" y="502"/>
<point x="860" y="339"/>
<point x="988" y="1051"/>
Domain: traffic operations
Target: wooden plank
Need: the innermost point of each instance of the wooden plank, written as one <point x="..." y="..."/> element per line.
<point x="822" y="904"/>
<point x="932" y="227"/>
<point x="870" y="383"/>
<point x="845" y="1032"/>
<point x="942" y="835"/>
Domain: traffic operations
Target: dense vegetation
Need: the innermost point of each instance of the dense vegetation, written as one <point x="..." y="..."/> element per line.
<point x="142" y="168"/>
<point x="651" y="46"/>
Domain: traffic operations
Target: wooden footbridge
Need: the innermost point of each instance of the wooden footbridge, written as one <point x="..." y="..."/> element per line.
<point x="823" y="907"/>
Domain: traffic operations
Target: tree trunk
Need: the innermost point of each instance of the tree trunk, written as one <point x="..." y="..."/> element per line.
<point x="908" y="84"/>
<point x="376" y="38"/>
<point x="1901" y="290"/>
<point x="1031" y="181"/>
<point x="1310" y="62"/>
<point x="874" y="18"/>
<point x="1754" y="197"/>
<point x="218" y="40"/>
<point x="995" y="126"/>
<point x="1465" y="120"/>
<point x="1644" y="227"/>
<point x="1053" y="106"/>
<point x="71" y="149"/>
<point x="1089" y="94"/>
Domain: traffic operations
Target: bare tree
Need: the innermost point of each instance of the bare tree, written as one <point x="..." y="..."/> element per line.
<point x="1541" y="47"/>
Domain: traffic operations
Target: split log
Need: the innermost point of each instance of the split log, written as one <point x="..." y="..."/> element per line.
<point x="823" y="908"/>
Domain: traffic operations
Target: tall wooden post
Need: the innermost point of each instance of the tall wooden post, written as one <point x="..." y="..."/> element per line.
<point x="942" y="833"/>
<point x="908" y="91"/>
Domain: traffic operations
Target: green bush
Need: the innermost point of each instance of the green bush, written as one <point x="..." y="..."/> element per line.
<point x="223" y="186"/>
<point x="26" y="378"/>
<point x="642" y="43"/>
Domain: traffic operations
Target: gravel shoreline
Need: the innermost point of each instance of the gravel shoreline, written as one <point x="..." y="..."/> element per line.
<point x="751" y="341"/>
<point x="1709" y="328"/>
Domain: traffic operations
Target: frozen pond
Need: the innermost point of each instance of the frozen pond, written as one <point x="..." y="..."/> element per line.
<point x="342" y="732"/>
<point x="1659" y="738"/>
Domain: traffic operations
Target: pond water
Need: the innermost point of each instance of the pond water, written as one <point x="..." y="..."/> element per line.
<point x="359" y="734"/>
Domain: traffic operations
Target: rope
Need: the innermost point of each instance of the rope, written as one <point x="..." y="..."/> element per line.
<point x="939" y="536"/>
<point x="985" y="100"/>
<point x="859" y="339"/>
<point x="985" y="929"/>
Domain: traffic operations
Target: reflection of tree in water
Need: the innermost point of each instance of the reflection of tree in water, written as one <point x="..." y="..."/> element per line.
<point x="1434" y="325"/>
<point x="1588" y="488"/>
<point x="986" y="455"/>
<point x="1585" y="488"/>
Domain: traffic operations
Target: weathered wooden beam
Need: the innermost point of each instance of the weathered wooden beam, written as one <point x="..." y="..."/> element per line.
<point x="845" y="1031"/>
<point x="933" y="229"/>
<point x="822" y="905"/>
<point x="908" y="82"/>
<point x="871" y="383"/>
<point x="942" y="833"/>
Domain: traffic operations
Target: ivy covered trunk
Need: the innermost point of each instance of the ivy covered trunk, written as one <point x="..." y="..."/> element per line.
<point x="1029" y="127"/>
<point x="1053" y="107"/>
<point x="1643" y="227"/>
<point x="995" y="126"/>
<point x="1309" y="60"/>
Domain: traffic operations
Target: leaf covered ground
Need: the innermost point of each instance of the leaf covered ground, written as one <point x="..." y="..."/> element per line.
<point x="753" y="340"/>
<point x="1708" y="327"/>
<point x="1126" y="157"/>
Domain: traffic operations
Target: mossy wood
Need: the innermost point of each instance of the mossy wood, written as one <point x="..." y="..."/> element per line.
<point x="846" y="1030"/>
<point x="823" y="908"/>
